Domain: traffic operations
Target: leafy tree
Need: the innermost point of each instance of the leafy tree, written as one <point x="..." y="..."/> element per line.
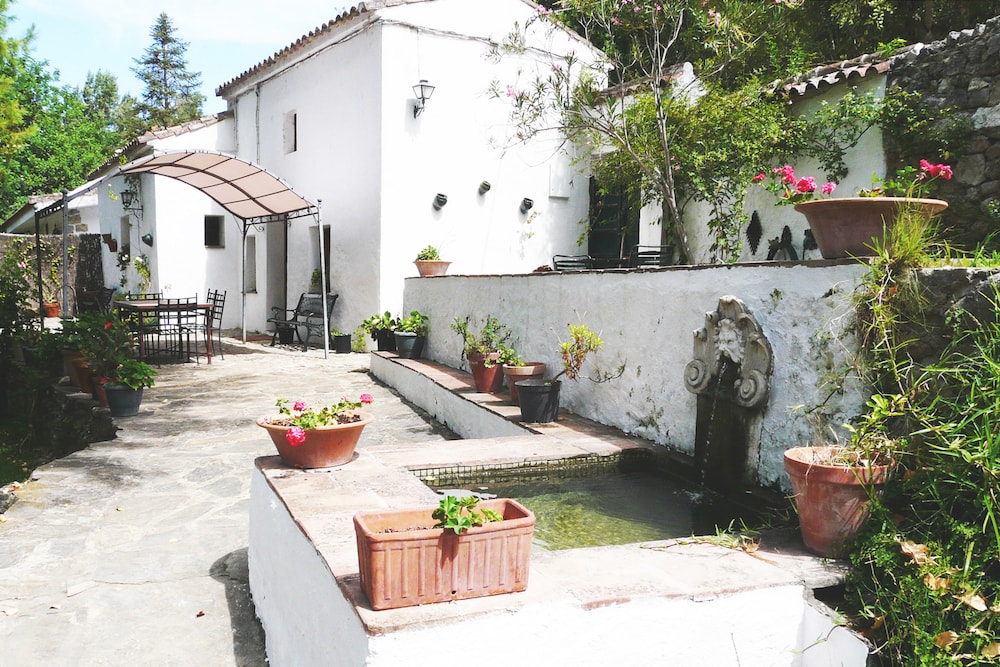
<point x="637" y="115"/>
<point x="171" y="95"/>
<point x="15" y="129"/>
<point x="72" y="138"/>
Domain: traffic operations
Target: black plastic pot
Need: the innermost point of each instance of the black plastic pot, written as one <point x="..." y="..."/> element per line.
<point x="123" y="401"/>
<point x="409" y="345"/>
<point x="286" y="335"/>
<point x="539" y="400"/>
<point x="342" y="344"/>
<point x="385" y="341"/>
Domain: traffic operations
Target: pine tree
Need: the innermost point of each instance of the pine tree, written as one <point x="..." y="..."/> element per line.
<point x="171" y="95"/>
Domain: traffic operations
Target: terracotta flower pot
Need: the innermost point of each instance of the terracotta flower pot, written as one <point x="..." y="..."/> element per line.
<point x="531" y="370"/>
<point x="831" y="499"/>
<point x="486" y="372"/>
<point x="405" y="561"/>
<point x="50" y="309"/>
<point x="432" y="267"/>
<point x="324" y="447"/>
<point x="850" y="226"/>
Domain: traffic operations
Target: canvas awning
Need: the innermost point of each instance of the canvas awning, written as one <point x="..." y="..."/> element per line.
<point x="242" y="188"/>
<point x="249" y="192"/>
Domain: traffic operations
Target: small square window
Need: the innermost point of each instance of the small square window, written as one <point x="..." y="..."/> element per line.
<point x="214" y="236"/>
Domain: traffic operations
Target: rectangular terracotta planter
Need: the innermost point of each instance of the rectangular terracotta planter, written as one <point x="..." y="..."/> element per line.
<point x="404" y="567"/>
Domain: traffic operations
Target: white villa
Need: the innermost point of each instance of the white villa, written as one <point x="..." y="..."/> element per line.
<point x="336" y="117"/>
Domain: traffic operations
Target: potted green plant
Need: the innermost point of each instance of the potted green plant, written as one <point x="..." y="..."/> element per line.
<point x="516" y="369"/>
<point x="411" y="333"/>
<point x="323" y="437"/>
<point x="106" y="342"/>
<point x="539" y="399"/>
<point x="341" y="341"/>
<point x="381" y="329"/>
<point x="482" y="350"/>
<point x="124" y="390"/>
<point x="437" y="554"/>
<point x="429" y="262"/>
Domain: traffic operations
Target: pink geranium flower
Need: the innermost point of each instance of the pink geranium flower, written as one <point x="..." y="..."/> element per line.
<point x="295" y="436"/>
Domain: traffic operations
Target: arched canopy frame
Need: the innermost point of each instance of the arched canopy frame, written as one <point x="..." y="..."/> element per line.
<point x="249" y="192"/>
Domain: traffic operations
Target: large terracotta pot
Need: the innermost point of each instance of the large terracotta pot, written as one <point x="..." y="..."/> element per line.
<point x="432" y="267"/>
<point x="50" y="309"/>
<point x="851" y="226"/>
<point x="486" y="372"/>
<point x="531" y="370"/>
<point x="324" y="447"/>
<point x="831" y="499"/>
<point x="405" y="561"/>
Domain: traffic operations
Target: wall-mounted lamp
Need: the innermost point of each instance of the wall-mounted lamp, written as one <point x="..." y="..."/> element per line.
<point x="147" y="239"/>
<point x="439" y="201"/>
<point x="131" y="203"/>
<point x="484" y="187"/>
<point x="526" y="205"/>
<point x="422" y="91"/>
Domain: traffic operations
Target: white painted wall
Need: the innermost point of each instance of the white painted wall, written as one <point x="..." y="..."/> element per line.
<point x="377" y="168"/>
<point x="646" y="319"/>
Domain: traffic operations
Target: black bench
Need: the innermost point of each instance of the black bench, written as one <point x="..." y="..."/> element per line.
<point x="572" y="262"/>
<point x="307" y="315"/>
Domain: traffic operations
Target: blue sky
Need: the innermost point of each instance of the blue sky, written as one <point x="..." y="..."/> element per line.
<point x="225" y="37"/>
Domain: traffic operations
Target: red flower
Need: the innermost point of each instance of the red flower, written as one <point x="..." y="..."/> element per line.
<point x="807" y="184"/>
<point x="299" y="406"/>
<point x="367" y="398"/>
<point x="295" y="436"/>
<point x="108" y="325"/>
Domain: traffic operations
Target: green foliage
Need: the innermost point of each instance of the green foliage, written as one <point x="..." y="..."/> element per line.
<point x="415" y="322"/>
<point x="345" y="411"/>
<point x="492" y="336"/>
<point x="106" y="342"/>
<point x="924" y="576"/>
<point x="171" y="92"/>
<point x="134" y="373"/>
<point x="458" y="515"/>
<point x="384" y="322"/>
<point x="430" y="253"/>
<point x="582" y="341"/>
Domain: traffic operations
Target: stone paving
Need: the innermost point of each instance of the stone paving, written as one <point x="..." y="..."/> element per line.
<point x="133" y="551"/>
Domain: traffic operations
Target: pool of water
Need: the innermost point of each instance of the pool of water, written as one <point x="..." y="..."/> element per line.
<point x="615" y="507"/>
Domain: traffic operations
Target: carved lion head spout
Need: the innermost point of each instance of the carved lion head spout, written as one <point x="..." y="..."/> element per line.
<point x="731" y="335"/>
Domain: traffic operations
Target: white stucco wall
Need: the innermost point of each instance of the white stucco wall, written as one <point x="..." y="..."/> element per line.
<point x="646" y="319"/>
<point x="377" y="168"/>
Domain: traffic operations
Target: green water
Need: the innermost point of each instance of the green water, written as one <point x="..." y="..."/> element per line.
<point x="616" y="508"/>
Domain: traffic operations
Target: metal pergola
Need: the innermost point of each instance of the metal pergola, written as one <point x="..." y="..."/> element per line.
<point x="249" y="192"/>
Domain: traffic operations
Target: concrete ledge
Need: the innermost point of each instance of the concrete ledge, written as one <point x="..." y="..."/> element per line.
<point x="669" y="602"/>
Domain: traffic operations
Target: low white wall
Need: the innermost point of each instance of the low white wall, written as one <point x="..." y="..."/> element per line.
<point x="308" y="620"/>
<point x="462" y="416"/>
<point x="647" y="319"/>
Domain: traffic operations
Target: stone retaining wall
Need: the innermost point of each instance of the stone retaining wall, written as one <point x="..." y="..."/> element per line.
<point x="963" y="71"/>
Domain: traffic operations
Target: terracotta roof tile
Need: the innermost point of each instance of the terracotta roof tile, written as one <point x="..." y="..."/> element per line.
<point x="821" y="78"/>
<point x="300" y="44"/>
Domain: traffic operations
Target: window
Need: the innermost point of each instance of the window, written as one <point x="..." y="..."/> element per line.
<point x="250" y="275"/>
<point x="214" y="231"/>
<point x="125" y="235"/>
<point x="291" y="132"/>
